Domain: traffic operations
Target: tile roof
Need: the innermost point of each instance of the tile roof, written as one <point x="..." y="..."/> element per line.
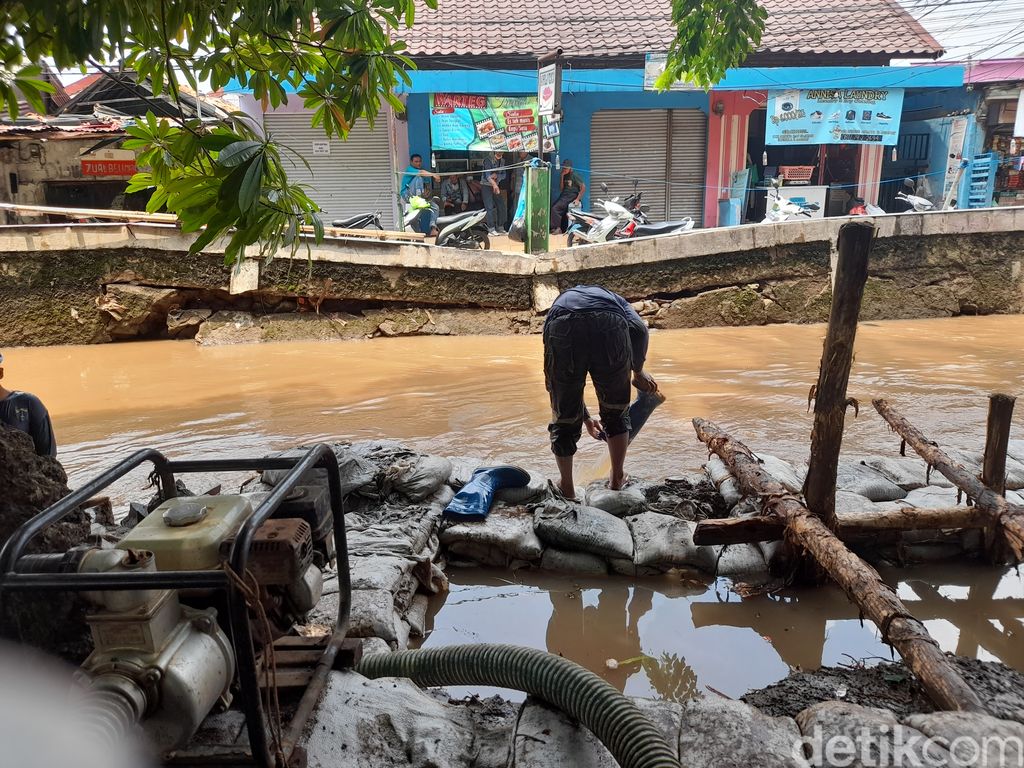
<point x="612" y="28"/>
<point x="81" y="84"/>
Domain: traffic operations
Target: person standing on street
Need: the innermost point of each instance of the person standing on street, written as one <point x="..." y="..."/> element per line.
<point x="590" y="330"/>
<point x="491" y="187"/>
<point x="25" y="412"/>
<point x="571" y="189"/>
<point x="414" y="183"/>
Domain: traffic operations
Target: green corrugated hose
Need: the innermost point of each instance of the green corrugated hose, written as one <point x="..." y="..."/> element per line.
<point x="614" y="719"/>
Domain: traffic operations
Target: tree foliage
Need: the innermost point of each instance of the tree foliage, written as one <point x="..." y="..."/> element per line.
<point x="711" y="36"/>
<point x="342" y="57"/>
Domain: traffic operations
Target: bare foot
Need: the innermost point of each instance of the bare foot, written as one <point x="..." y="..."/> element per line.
<point x="618" y="483"/>
<point x="568" y="492"/>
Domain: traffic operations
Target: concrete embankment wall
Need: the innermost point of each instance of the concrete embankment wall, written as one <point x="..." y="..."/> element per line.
<point x="95" y="283"/>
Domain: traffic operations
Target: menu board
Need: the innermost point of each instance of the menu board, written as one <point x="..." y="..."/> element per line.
<point x="484" y="123"/>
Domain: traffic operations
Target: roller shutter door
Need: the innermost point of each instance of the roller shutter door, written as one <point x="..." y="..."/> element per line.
<point x="665" y="150"/>
<point x="627" y="144"/>
<point x="354" y="178"/>
<point x="688" y="163"/>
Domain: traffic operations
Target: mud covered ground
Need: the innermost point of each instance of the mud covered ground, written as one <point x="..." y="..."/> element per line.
<point x="890" y="686"/>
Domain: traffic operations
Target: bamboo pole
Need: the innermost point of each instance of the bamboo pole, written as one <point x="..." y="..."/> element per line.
<point x="861" y="583"/>
<point x="1010" y="516"/>
<point x="746" y="530"/>
<point x="830" y="401"/>
<point x="993" y="471"/>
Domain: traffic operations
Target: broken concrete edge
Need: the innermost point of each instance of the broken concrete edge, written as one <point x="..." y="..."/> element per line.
<point x="372" y="252"/>
<point x="371" y="722"/>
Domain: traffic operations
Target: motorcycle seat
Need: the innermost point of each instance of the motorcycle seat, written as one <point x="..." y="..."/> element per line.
<point x="359" y="218"/>
<point x="444" y="221"/>
<point x="585" y="214"/>
<point x="662" y="227"/>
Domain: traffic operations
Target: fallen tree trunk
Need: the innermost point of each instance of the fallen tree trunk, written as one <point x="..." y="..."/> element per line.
<point x="746" y="530"/>
<point x="986" y="501"/>
<point x="861" y="583"/>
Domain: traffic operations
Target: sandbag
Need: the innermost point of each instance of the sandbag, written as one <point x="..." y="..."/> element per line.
<point x="932" y="497"/>
<point x="908" y="472"/>
<point x="660" y="540"/>
<point x="867" y="481"/>
<point x="575" y="528"/>
<point x="507" y="529"/>
<point x="972" y="738"/>
<point x="735" y="560"/>
<point x="783" y="471"/>
<point x="418" y="477"/>
<point x="627" y="501"/>
<point x="353" y="471"/>
<point x="462" y="470"/>
<point x="847" y="501"/>
<point x="536" y="489"/>
<point x="717" y="731"/>
<point x="974" y="460"/>
<point x="625" y="567"/>
<point x="726" y="484"/>
<point x="581" y="563"/>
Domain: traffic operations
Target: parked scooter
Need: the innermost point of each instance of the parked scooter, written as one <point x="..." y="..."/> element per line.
<point x="783" y="209"/>
<point x="415" y="208"/>
<point x="918" y="204"/>
<point x="467" y="229"/>
<point x="601" y="229"/>
<point x="652" y="228"/>
<point x="360" y="221"/>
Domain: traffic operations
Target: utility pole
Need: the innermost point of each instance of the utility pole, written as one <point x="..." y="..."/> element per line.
<point x="538" y="180"/>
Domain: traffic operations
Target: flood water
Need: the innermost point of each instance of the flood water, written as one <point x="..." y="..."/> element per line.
<point x="484" y="396"/>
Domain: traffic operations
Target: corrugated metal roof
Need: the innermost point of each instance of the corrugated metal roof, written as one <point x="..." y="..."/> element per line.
<point x="610" y="28"/>
<point x="56" y="127"/>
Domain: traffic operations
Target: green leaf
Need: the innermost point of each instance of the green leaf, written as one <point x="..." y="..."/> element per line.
<point x="238" y="152"/>
<point x="249" y="191"/>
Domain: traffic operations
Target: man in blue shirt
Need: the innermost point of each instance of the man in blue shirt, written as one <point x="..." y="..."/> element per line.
<point x="25" y="412"/>
<point x="590" y="330"/>
<point x="414" y="182"/>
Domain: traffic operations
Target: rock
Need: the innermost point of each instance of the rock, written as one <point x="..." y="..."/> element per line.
<point x="583" y="529"/>
<point x="136" y="311"/>
<point x="716" y="731"/>
<point x="862" y="737"/>
<point x="867" y="481"/>
<point x="546" y="737"/>
<point x="506" y="534"/>
<point x="580" y="563"/>
<point x="185" y="323"/>
<point x="722" y="306"/>
<point x="386" y="723"/>
<point x="229" y="327"/>
<point x="627" y="501"/>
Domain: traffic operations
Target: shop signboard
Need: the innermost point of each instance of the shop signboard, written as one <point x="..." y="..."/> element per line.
<point x="954" y="154"/>
<point x="483" y="123"/>
<point x="549" y="89"/>
<point x="109" y="162"/>
<point x="654" y="67"/>
<point x="834" y="116"/>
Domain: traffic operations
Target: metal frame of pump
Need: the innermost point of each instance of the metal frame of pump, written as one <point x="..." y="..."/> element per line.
<point x="319" y="456"/>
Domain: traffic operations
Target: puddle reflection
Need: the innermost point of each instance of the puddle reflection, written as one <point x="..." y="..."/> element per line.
<point x="673" y="639"/>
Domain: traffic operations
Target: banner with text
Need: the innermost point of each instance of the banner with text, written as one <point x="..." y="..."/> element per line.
<point x="834" y="116"/>
<point x="484" y="123"/>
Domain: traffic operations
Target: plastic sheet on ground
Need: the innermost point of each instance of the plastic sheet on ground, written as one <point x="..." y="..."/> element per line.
<point x="398" y="530"/>
<point x="577" y="528"/>
<point x="548" y="738"/>
<point x="867" y="481"/>
<point x="717" y="731"/>
<point x="627" y="501"/>
<point x="506" y="534"/>
<point x="386" y="723"/>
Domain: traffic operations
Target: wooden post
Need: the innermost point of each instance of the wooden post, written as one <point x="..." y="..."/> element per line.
<point x="830" y="402"/>
<point x="861" y="583"/>
<point x="993" y="471"/>
<point x="986" y="501"/>
<point x="745" y="530"/>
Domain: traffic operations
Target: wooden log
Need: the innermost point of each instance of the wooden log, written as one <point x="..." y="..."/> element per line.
<point x="861" y="583"/>
<point x="986" y="501"/>
<point x="746" y="530"/>
<point x="993" y="470"/>
<point x="92" y="213"/>
<point x="830" y="400"/>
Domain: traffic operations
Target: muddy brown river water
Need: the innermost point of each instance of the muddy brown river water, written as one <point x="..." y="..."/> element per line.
<point x="484" y="396"/>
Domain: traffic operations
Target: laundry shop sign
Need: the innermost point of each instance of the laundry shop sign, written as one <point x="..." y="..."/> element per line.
<point x="834" y="116"/>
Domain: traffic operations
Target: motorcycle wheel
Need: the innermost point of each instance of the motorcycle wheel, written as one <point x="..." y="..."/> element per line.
<point x="485" y="242"/>
<point x="570" y="240"/>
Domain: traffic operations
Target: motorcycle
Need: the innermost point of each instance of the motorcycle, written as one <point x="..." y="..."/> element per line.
<point x="861" y="208"/>
<point x="918" y="204"/>
<point x="467" y="229"/>
<point x="415" y="208"/>
<point x="620" y="221"/>
<point x="360" y="221"/>
<point x="781" y="208"/>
